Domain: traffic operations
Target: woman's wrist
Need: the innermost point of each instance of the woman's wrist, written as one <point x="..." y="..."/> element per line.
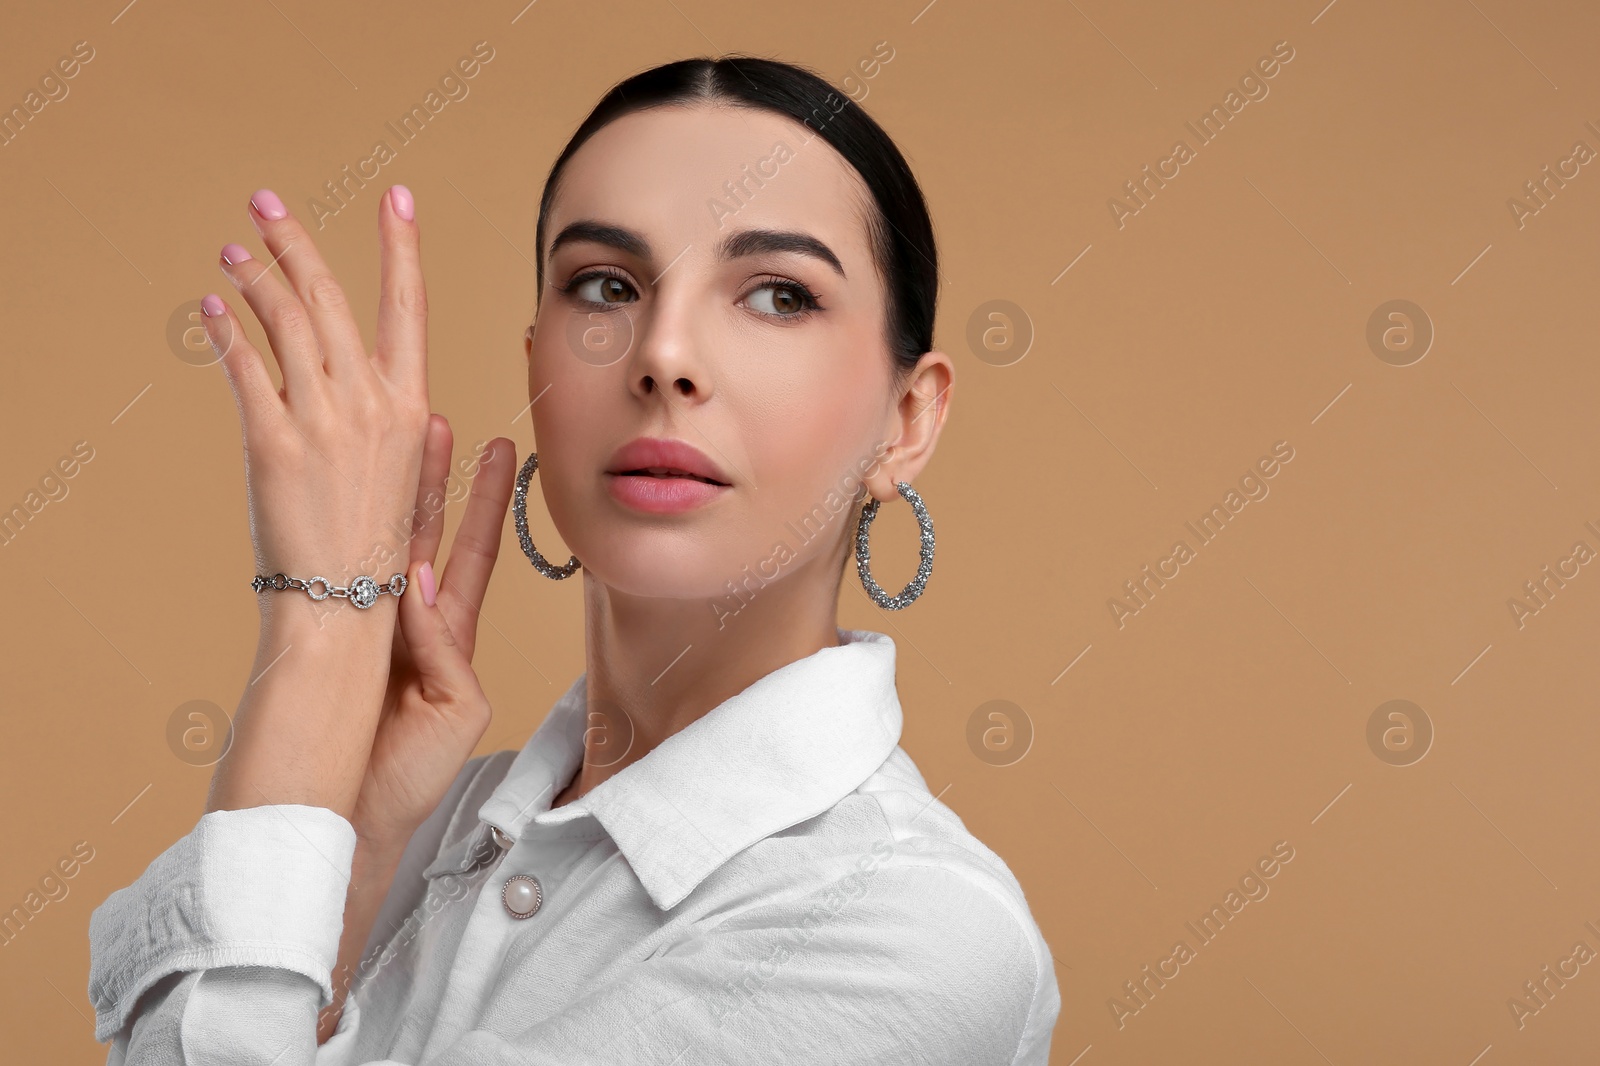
<point x="297" y="614"/>
<point x="360" y="592"/>
<point x="379" y="843"/>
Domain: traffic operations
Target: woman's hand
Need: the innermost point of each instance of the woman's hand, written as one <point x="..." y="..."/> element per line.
<point x="339" y="463"/>
<point x="332" y="462"/>
<point x="331" y="459"/>
<point x="434" y="711"/>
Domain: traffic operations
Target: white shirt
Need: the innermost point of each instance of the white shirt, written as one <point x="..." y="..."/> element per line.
<point x="772" y="883"/>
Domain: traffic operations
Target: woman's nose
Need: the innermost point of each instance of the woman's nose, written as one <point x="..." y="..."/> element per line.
<point x="669" y="348"/>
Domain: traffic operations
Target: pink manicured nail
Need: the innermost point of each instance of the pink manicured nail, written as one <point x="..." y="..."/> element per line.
<point x="234" y="253"/>
<point x="401" y="200"/>
<point x="267" y="204"/>
<point x="425" y="579"/>
<point x="211" y="305"/>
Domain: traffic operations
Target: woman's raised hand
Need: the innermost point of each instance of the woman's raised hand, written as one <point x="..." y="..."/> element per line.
<point x="332" y="467"/>
<point x="345" y="709"/>
<point x="331" y="459"/>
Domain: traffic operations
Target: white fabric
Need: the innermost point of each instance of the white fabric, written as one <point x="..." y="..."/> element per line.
<point x="772" y="883"/>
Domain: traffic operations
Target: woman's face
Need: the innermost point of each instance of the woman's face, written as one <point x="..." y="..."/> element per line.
<point x="674" y="309"/>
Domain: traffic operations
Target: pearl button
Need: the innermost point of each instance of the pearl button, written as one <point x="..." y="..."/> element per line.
<point x="501" y="838"/>
<point x="522" y="895"/>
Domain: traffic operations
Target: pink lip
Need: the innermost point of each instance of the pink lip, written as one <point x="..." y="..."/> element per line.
<point x="677" y="491"/>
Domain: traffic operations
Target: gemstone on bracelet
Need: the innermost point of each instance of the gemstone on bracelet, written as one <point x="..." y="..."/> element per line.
<point x="363" y="592"/>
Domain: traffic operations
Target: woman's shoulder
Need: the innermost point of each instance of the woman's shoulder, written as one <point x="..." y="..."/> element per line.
<point x="928" y="829"/>
<point x="892" y="870"/>
<point x="893" y="821"/>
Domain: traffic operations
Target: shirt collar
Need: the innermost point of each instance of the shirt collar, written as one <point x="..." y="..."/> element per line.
<point x="785" y="749"/>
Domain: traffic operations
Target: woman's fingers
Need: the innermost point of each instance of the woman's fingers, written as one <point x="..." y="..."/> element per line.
<point x="325" y="306"/>
<point x="247" y="375"/>
<point x="477" y="542"/>
<point x="288" y="329"/>
<point x="443" y="662"/>
<point x="402" y="339"/>
<point x="429" y="511"/>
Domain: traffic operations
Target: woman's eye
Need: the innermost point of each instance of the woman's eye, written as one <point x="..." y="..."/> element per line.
<point x="601" y="289"/>
<point x="780" y="300"/>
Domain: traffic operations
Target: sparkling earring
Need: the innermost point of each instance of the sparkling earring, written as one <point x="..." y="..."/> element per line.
<point x="913" y="588"/>
<point x="519" y="511"/>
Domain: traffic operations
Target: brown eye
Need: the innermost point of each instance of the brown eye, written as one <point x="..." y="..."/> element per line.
<point x="781" y="300"/>
<point x="601" y="289"/>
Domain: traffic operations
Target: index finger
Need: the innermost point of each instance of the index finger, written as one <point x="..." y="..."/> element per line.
<point x="402" y="336"/>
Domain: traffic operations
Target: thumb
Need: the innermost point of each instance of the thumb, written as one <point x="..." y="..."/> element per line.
<point x="445" y="671"/>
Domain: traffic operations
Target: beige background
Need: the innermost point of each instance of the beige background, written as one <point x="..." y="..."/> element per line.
<point x="1228" y="314"/>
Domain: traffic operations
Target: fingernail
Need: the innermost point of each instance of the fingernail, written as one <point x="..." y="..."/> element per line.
<point x="425" y="579"/>
<point x="211" y="305"/>
<point x="234" y="253"/>
<point x="267" y="204"/>
<point x="401" y="200"/>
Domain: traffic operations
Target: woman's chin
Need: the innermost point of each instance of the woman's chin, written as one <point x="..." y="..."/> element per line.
<point x="660" y="574"/>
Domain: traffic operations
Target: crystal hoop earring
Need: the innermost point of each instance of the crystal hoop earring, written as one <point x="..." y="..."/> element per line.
<point x="914" y="587"/>
<point x="519" y="511"/>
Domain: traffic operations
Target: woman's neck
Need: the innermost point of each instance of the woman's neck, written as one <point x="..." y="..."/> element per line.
<point x="655" y="665"/>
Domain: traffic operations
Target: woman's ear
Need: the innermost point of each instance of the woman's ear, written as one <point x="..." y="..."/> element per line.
<point x="527" y="344"/>
<point x="913" y="426"/>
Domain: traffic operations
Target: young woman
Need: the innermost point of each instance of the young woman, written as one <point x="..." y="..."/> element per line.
<point x="713" y="849"/>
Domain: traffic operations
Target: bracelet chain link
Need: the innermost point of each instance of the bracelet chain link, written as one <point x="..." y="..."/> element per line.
<point x="363" y="591"/>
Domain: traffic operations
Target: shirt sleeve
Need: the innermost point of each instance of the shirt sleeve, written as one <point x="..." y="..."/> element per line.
<point x="262" y="887"/>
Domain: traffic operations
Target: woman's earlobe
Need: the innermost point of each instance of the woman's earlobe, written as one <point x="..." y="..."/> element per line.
<point x="880" y="486"/>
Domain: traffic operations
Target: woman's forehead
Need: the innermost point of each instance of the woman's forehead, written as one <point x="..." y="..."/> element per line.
<point x="687" y="175"/>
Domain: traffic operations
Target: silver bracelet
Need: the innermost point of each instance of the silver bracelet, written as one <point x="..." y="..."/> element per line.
<point x="363" y="591"/>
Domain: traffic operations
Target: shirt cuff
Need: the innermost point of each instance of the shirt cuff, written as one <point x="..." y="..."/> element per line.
<point x="262" y="886"/>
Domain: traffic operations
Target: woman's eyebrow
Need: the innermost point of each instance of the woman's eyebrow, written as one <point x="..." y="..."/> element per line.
<point x="618" y="237"/>
<point x="733" y="246"/>
<point x="756" y="241"/>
